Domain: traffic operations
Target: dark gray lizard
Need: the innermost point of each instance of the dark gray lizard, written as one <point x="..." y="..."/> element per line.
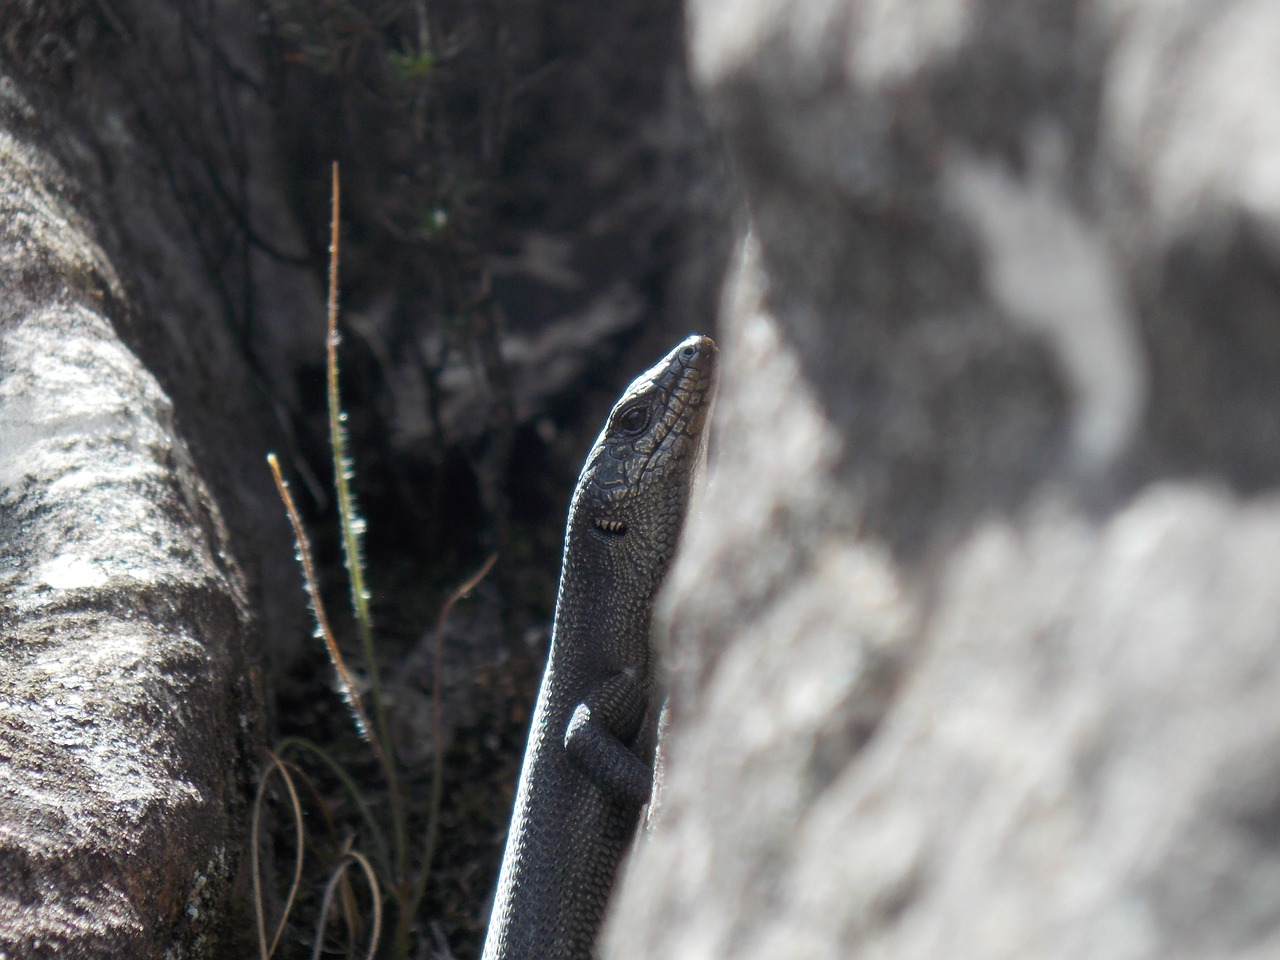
<point x="588" y="766"/>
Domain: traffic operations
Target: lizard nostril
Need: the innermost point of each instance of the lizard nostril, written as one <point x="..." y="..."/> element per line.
<point x="688" y="353"/>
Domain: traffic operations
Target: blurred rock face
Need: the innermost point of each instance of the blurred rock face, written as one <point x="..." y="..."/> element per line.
<point x="975" y="632"/>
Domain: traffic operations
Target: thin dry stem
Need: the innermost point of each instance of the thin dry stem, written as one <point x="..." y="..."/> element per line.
<point x="376" y="836"/>
<point x="375" y="900"/>
<point x="259" y="908"/>
<point x="437" y="724"/>
<point x="379" y="734"/>
<point x="347" y="682"/>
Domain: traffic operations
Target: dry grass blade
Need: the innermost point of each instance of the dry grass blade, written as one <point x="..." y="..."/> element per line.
<point x="376" y="836"/>
<point x="259" y="908"/>
<point x="460" y="593"/>
<point x="437" y="724"/>
<point x="345" y="680"/>
<point x="375" y="898"/>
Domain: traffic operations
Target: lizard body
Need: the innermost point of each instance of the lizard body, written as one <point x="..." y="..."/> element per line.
<point x="588" y="764"/>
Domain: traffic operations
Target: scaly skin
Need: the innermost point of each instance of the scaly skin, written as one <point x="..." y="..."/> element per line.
<point x="588" y="767"/>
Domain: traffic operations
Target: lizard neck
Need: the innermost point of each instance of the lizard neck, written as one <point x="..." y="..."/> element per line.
<point x="605" y="606"/>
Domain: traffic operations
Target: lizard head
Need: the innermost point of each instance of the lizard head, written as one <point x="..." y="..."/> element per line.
<point x="634" y="489"/>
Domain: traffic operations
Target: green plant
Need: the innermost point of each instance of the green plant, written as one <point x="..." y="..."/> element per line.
<point x="393" y="870"/>
<point x="410" y="65"/>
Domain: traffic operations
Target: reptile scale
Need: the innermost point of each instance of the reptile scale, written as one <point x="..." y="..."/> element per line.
<point x="588" y="766"/>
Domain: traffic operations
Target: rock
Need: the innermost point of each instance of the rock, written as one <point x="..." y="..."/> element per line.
<point x="125" y="701"/>
<point x="139" y="536"/>
<point x="974" y="639"/>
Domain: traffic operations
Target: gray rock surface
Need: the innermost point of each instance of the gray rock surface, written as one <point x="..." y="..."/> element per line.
<point x="125" y="701"/>
<point x="976" y="634"/>
<point x="138" y="530"/>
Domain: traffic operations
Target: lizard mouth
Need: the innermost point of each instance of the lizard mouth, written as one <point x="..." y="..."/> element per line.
<point x="614" y="528"/>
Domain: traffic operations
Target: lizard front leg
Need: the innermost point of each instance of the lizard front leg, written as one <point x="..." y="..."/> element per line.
<point x="601" y="732"/>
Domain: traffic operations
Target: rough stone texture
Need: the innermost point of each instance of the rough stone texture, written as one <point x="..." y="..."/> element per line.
<point x="976" y="633"/>
<point x="125" y="694"/>
<point x="138" y="531"/>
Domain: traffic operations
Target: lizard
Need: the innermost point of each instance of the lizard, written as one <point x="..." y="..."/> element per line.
<point x="588" y="764"/>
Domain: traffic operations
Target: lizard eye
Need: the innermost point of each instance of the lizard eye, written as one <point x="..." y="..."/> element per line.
<point x="633" y="420"/>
